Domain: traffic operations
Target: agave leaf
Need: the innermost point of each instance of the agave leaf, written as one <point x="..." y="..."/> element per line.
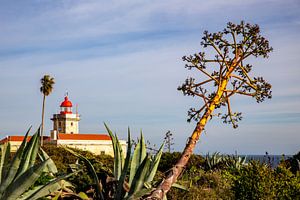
<point x="140" y="176"/>
<point x="23" y="182"/>
<point x="117" y="160"/>
<point x="14" y="165"/>
<point x="139" y="155"/>
<point x="57" y="195"/>
<point x="35" y="149"/>
<point x="176" y="185"/>
<point x="120" y="191"/>
<point x="154" y="164"/>
<point x="67" y="186"/>
<point x="25" y="195"/>
<point x="140" y="193"/>
<point x="50" y="187"/>
<point x="5" y="152"/>
<point x="148" y="185"/>
<point x="32" y="146"/>
<point x="121" y="153"/>
<point x="83" y="196"/>
<point x="91" y="171"/>
<point x="51" y="167"/>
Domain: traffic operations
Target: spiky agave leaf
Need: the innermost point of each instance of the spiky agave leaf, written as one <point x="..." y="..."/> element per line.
<point x="140" y="193"/>
<point x="120" y="191"/>
<point x="5" y="152"/>
<point x="118" y="156"/>
<point x="139" y="155"/>
<point x="154" y="163"/>
<point x="51" y="167"/>
<point x="14" y="166"/>
<point x="29" y="154"/>
<point x="140" y="176"/>
<point x="44" y="190"/>
<point x="91" y="170"/>
<point x="23" y="182"/>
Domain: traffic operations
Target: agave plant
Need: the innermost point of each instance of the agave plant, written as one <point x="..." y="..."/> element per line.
<point x="213" y="161"/>
<point x="18" y="175"/>
<point x="132" y="175"/>
<point x="234" y="162"/>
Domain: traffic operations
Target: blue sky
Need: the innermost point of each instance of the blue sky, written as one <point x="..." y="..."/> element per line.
<point x="120" y="61"/>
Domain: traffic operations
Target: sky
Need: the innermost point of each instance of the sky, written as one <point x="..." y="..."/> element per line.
<point x="120" y="62"/>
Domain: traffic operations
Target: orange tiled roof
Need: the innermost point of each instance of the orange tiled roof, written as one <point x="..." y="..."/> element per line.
<point x="17" y="138"/>
<point x="14" y="138"/>
<point x="62" y="136"/>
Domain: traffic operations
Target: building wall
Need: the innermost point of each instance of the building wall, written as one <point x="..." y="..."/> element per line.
<point x="14" y="145"/>
<point x="97" y="147"/>
<point x="66" y="123"/>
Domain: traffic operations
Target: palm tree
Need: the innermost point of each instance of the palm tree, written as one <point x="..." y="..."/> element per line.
<point x="47" y="86"/>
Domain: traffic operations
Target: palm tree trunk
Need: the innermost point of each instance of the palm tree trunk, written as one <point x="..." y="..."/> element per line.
<point x="43" y="114"/>
<point x="175" y="172"/>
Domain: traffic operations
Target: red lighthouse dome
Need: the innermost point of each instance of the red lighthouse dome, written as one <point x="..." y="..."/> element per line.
<point x="66" y="102"/>
<point x="66" y="106"/>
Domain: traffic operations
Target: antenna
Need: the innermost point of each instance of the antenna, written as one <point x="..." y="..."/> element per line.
<point x="77" y="109"/>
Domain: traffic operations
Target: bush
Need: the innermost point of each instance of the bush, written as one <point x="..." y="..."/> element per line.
<point x="259" y="181"/>
<point x="294" y="163"/>
<point x="203" y="185"/>
<point x="103" y="164"/>
<point x="168" y="160"/>
<point x="287" y="184"/>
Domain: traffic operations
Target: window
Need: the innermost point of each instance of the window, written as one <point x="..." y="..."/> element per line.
<point x="71" y="123"/>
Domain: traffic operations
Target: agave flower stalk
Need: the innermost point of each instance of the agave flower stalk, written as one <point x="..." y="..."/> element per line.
<point x="223" y="75"/>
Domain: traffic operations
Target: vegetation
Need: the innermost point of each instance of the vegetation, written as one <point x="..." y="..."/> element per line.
<point x="253" y="180"/>
<point x="46" y="88"/>
<point x="20" y="173"/>
<point x="259" y="181"/>
<point x="225" y="74"/>
<point x="132" y="176"/>
<point x="294" y="163"/>
<point x="214" y="176"/>
<point x="169" y="140"/>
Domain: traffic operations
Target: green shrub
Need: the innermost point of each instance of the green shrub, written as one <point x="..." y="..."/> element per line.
<point x="62" y="162"/>
<point x="203" y="185"/>
<point x="82" y="181"/>
<point x="294" y="163"/>
<point x="259" y="181"/>
<point x="168" y="160"/>
<point x="287" y="184"/>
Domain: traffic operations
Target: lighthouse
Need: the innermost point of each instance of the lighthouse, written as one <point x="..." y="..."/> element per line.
<point x="66" y="132"/>
<point x="66" y="121"/>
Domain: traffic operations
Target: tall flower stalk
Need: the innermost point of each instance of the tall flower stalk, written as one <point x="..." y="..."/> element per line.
<point x="224" y="74"/>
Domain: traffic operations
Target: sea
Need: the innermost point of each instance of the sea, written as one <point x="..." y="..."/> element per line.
<point x="272" y="160"/>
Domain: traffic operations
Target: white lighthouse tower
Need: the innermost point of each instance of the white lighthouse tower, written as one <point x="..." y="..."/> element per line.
<point x="66" y="121"/>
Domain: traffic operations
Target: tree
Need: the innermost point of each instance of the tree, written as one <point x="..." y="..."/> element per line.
<point x="47" y="86"/>
<point x="225" y="74"/>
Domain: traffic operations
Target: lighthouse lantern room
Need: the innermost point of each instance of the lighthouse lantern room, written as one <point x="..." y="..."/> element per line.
<point x="66" y="121"/>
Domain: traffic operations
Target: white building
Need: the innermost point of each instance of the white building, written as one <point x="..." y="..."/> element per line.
<point x="66" y="132"/>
